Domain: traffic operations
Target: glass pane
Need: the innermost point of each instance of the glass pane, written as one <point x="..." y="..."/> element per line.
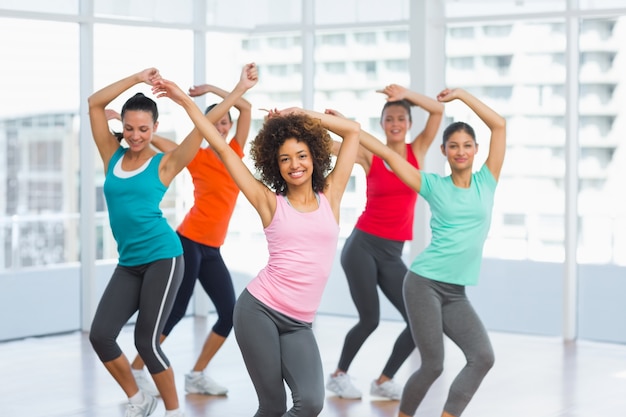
<point x="39" y="144"/>
<point x="180" y="11"/>
<point x="469" y="8"/>
<point x="347" y="76"/>
<point x="601" y="4"/>
<point x="279" y="60"/>
<point x="116" y="58"/>
<point x="601" y="164"/>
<point x="42" y="6"/>
<point x="360" y="11"/>
<point x="251" y="14"/>
<point x="518" y="68"/>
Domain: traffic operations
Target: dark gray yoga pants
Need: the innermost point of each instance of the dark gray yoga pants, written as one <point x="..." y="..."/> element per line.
<point x="149" y="289"/>
<point x="434" y="309"/>
<point x="278" y="349"/>
<point x="371" y="262"/>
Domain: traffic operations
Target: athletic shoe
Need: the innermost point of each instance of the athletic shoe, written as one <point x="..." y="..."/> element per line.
<point x="145" y="383"/>
<point x="179" y="413"/>
<point x="202" y="384"/>
<point x="388" y="389"/>
<point x="342" y="386"/>
<point x="144" y="409"/>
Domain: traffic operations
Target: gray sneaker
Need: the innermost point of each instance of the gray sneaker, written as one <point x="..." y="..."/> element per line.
<point x="343" y="387"/>
<point x="388" y="389"/>
<point x="142" y="410"/>
<point x="202" y="384"/>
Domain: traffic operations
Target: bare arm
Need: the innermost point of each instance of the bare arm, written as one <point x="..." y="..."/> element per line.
<point x="106" y="142"/>
<point x="424" y="139"/>
<point x="242" y="105"/>
<point x="177" y="159"/>
<point x="338" y="179"/>
<point x="363" y="156"/>
<point x="261" y="197"/>
<point x="410" y="175"/>
<point x="495" y="123"/>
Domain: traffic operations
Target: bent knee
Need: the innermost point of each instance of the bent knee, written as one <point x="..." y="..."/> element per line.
<point x="309" y="406"/>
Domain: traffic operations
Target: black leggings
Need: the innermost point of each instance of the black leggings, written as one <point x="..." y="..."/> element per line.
<point x="149" y="289"/>
<point x="370" y="262"/>
<point x="206" y="264"/>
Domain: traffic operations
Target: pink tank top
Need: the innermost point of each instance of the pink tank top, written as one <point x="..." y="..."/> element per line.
<point x="301" y="247"/>
<point x="390" y="205"/>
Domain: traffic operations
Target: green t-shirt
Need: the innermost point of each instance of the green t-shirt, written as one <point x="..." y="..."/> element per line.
<point x="460" y="222"/>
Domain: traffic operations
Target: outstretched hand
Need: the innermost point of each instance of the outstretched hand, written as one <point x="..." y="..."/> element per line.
<point x="448" y="94"/>
<point x="166" y="88"/>
<point x="394" y="92"/>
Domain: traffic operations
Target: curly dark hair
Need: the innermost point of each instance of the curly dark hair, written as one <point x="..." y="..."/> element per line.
<point x="275" y="131"/>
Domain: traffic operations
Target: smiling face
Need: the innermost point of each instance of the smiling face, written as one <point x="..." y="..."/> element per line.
<point x="138" y="129"/>
<point x="295" y="162"/>
<point x="460" y="149"/>
<point x="396" y="122"/>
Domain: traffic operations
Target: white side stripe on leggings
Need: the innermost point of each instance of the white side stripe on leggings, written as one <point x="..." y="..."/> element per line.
<point x="157" y="337"/>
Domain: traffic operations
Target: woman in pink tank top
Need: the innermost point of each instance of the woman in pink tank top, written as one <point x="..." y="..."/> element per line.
<point x="298" y="198"/>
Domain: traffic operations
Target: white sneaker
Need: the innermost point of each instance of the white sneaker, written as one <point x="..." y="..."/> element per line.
<point x="342" y="386"/>
<point x="388" y="389"/>
<point x="178" y="413"/>
<point x="144" y="409"/>
<point x="145" y="383"/>
<point x="199" y="383"/>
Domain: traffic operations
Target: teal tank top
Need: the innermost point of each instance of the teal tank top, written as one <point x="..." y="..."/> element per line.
<point x="139" y="228"/>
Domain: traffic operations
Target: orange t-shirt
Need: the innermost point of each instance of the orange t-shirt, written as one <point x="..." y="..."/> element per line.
<point x="215" y="194"/>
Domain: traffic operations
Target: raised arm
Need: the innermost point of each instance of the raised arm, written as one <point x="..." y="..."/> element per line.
<point x="363" y="156"/>
<point x="176" y="160"/>
<point x="106" y="142"/>
<point x="242" y="105"/>
<point x="403" y="169"/>
<point x="424" y="139"/>
<point x="338" y="179"/>
<point x="495" y="123"/>
<point x="255" y="191"/>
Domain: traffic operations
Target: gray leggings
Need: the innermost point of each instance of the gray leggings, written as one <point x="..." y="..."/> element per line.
<point x="437" y="308"/>
<point x="149" y="289"/>
<point x="370" y="262"/>
<point x="278" y="349"/>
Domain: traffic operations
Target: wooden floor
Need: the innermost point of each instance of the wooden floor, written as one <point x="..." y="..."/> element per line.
<point x="60" y="376"/>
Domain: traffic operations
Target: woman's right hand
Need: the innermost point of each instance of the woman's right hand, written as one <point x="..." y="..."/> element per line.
<point x="166" y="88"/>
<point x="448" y="94"/>
<point x="150" y="75"/>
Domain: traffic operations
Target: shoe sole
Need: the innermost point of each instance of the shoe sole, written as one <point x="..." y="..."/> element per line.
<point x="216" y="394"/>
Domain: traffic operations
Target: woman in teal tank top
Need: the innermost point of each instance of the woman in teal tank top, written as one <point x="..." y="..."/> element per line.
<point x="150" y="265"/>
<point x="434" y="287"/>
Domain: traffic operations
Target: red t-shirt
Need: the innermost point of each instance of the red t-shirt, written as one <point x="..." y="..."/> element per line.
<point x="390" y="205"/>
<point x="215" y="194"/>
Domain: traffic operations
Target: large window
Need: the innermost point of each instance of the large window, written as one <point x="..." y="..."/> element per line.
<point x="602" y="104"/>
<point x="38" y="143"/>
<point x="518" y="69"/>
